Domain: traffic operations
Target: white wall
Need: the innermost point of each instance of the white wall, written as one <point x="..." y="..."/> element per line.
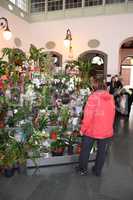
<point x="110" y="30"/>
<point x="19" y="28"/>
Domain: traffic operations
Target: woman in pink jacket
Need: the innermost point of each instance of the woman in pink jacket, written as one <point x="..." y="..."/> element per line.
<point x="97" y="124"/>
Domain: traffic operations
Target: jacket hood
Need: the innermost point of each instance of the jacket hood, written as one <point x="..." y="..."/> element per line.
<point x="104" y="95"/>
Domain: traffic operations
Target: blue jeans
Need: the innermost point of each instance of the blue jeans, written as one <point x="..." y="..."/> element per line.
<point x="87" y="144"/>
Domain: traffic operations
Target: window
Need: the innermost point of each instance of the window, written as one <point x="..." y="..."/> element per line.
<point x="22" y="4"/>
<point x="55" y="5"/>
<point x="93" y="2"/>
<point x="73" y="3"/>
<point x="13" y="1"/>
<point x="114" y="1"/>
<point x="37" y="6"/>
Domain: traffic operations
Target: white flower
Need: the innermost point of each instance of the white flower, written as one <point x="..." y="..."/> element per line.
<point x="15" y="110"/>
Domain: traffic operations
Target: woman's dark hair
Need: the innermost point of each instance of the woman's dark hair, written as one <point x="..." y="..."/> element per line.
<point x="99" y="84"/>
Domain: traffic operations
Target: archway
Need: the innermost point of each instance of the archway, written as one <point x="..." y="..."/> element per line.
<point x="57" y="58"/>
<point x="126" y="61"/>
<point x="99" y="61"/>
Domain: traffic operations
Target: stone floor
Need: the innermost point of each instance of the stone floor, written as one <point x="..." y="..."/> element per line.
<point x="61" y="182"/>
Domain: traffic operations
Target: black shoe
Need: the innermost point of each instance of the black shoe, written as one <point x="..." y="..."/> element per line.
<point x="83" y="173"/>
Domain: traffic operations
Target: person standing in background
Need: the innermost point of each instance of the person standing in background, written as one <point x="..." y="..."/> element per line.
<point x="112" y="85"/>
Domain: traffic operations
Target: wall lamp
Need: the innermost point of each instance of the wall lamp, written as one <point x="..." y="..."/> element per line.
<point x="5" y="27"/>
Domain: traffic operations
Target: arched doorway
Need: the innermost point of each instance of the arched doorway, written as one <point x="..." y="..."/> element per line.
<point x="126" y="61"/>
<point x="98" y="59"/>
<point x="57" y="58"/>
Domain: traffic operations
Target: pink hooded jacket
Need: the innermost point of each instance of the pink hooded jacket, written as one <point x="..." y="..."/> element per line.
<point x="99" y="115"/>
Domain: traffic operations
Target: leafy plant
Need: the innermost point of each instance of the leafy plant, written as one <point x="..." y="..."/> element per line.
<point x="46" y="96"/>
<point x="12" y="152"/>
<point x="57" y="144"/>
<point x="86" y="69"/>
<point x="43" y="121"/>
<point x="34" y="144"/>
<point x="64" y="116"/>
<point x="35" y="53"/>
<point x="15" y="56"/>
<point x="57" y="147"/>
<point x="53" y="116"/>
<point x="3" y="66"/>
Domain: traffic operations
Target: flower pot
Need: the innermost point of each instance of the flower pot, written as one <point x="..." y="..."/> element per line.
<point x="2" y="124"/>
<point x="58" y="151"/>
<point x="9" y="172"/>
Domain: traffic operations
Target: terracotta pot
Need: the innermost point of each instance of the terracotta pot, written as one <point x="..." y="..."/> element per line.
<point x="2" y="124"/>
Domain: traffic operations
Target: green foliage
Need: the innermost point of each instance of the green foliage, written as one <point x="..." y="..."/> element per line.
<point x="3" y="107"/>
<point x="21" y="113"/>
<point x="27" y="128"/>
<point x="12" y="152"/>
<point x="3" y="137"/>
<point x="64" y="115"/>
<point x="3" y="66"/>
<point x="41" y="59"/>
<point x="43" y="121"/>
<point x="35" y="144"/>
<point x="46" y="63"/>
<point x="86" y="69"/>
<point x="35" y="53"/>
<point x="53" y="116"/>
<point x="15" y="56"/>
<point x="57" y="144"/>
<point x="46" y="96"/>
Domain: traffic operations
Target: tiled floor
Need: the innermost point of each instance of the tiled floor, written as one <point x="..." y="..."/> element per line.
<point x="63" y="183"/>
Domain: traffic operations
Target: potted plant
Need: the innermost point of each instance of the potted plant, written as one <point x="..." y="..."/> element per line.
<point x="15" y="56"/>
<point x="53" y="118"/>
<point x="3" y="110"/>
<point x="70" y="139"/>
<point x="10" y="155"/>
<point x="64" y="116"/>
<point x="54" y="133"/>
<point x="57" y="147"/>
<point x="34" y="145"/>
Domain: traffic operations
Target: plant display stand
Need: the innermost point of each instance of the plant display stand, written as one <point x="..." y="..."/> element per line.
<point x="56" y="160"/>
